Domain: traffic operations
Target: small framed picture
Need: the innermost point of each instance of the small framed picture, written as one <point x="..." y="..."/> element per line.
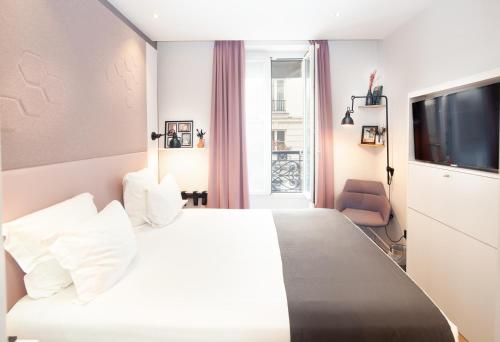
<point x="187" y="140"/>
<point x="171" y="127"/>
<point x="369" y="134"/>
<point x="185" y="126"/>
<point x="183" y="131"/>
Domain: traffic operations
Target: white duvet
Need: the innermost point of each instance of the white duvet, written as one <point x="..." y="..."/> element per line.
<point x="212" y="275"/>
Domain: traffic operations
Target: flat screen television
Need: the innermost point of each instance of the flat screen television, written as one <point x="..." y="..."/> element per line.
<point x="459" y="129"/>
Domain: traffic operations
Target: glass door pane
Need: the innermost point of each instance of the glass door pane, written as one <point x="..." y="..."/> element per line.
<point x="308" y="66"/>
<point x="287" y="125"/>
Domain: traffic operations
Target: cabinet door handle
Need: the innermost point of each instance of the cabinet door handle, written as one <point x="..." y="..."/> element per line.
<point x="446" y="175"/>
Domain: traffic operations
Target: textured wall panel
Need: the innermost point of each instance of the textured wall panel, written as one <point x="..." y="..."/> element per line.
<point x="72" y="83"/>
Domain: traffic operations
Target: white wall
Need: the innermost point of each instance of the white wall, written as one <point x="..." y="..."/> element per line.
<point x="450" y="40"/>
<point x="351" y="63"/>
<point x="185" y="93"/>
<point x="152" y="106"/>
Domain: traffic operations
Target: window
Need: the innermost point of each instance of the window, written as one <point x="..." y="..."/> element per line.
<point x="287" y="126"/>
<point x="280" y="124"/>
<point x="278" y="140"/>
<point x="278" y="98"/>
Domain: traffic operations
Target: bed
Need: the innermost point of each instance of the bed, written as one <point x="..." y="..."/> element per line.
<point x="246" y="275"/>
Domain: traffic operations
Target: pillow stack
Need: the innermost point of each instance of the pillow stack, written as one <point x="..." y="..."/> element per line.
<point x="149" y="202"/>
<point x="26" y="239"/>
<point x="71" y="243"/>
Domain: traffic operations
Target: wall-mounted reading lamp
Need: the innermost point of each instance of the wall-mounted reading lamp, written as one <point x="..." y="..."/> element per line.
<point x="155" y="135"/>
<point x="347" y="120"/>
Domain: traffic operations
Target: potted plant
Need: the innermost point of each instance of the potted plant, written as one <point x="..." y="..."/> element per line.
<point x="381" y="136"/>
<point x="369" y="95"/>
<point x="200" y="134"/>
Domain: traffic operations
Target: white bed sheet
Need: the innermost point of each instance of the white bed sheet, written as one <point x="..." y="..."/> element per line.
<point x="212" y="275"/>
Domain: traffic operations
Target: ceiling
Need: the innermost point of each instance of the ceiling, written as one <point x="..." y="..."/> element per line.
<point x="178" y="20"/>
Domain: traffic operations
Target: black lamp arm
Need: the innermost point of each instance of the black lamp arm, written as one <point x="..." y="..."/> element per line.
<point x="155" y="135"/>
<point x="389" y="169"/>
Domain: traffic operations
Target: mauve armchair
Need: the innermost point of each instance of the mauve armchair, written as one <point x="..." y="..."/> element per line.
<point x="365" y="203"/>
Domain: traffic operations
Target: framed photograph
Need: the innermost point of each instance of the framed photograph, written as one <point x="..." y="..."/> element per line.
<point x="170" y="128"/>
<point x="369" y="134"/>
<point x="187" y="140"/>
<point x="185" y="126"/>
<point x="183" y="130"/>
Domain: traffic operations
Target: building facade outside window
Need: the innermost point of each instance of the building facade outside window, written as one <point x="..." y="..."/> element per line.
<point x="287" y="127"/>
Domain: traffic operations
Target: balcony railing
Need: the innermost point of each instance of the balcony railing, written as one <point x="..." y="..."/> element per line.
<point x="286" y="171"/>
<point x="279" y="105"/>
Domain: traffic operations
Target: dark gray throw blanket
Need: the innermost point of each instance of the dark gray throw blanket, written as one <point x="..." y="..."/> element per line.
<point x="341" y="287"/>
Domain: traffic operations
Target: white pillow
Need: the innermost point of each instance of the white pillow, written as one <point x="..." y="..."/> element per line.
<point x="135" y="185"/>
<point x="46" y="279"/>
<point x="25" y="236"/>
<point x="98" y="252"/>
<point x="164" y="202"/>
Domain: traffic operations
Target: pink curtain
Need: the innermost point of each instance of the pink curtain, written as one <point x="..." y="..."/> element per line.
<point x="228" y="180"/>
<point x="324" y="166"/>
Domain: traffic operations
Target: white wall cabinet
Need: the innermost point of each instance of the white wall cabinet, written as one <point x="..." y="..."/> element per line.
<point x="465" y="201"/>
<point x="452" y="243"/>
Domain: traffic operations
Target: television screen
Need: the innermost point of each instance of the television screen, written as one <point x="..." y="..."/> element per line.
<point x="460" y="129"/>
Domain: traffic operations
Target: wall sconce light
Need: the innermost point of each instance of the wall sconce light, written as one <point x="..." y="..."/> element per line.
<point x="155" y="135"/>
<point x="347" y="120"/>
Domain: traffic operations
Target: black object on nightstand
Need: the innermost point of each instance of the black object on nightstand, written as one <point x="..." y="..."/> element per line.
<point x="195" y="195"/>
<point x="12" y="339"/>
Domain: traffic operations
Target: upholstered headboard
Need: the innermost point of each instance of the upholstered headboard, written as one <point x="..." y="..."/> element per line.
<point x="72" y="107"/>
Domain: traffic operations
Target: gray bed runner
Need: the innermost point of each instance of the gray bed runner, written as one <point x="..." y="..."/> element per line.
<point x="341" y="287"/>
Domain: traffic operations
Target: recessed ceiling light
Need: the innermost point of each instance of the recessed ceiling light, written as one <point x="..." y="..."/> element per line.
<point x="338" y="14"/>
<point x="155" y="15"/>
